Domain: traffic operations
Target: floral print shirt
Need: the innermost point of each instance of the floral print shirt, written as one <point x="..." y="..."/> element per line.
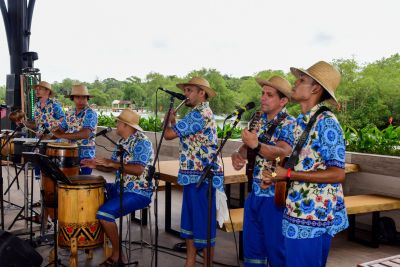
<point x="48" y="117"/>
<point x="197" y="132"/>
<point x="141" y="153"/>
<point x="313" y="209"/>
<point x="85" y="119"/>
<point x="283" y="132"/>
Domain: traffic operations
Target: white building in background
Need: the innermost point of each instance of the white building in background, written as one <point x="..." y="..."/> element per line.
<point x="118" y="105"/>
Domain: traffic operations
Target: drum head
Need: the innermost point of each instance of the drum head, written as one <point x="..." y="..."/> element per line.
<point x="86" y="179"/>
<point x="62" y="145"/>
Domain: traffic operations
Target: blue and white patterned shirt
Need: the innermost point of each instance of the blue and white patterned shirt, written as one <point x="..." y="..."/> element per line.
<point x="197" y="132"/>
<point x="85" y="119"/>
<point x="141" y="153"/>
<point x="283" y="132"/>
<point x="48" y="117"/>
<point x="313" y="209"/>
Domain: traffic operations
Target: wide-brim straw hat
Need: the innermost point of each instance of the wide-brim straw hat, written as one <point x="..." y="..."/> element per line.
<point x="323" y="73"/>
<point x="79" y="90"/>
<point x="45" y="85"/>
<point x="278" y="83"/>
<point x="131" y="118"/>
<point x="200" y="82"/>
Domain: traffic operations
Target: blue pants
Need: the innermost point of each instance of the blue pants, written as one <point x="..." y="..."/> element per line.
<point x="311" y="252"/>
<point x="110" y="210"/>
<point x="195" y="214"/>
<point x="262" y="232"/>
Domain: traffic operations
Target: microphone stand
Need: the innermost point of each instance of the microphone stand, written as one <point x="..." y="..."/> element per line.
<point x="1" y="178"/>
<point x="152" y="174"/>
<point x="207" y="174"/>
<point x="23" y="165"/>
<point x="1" y="174"/>
<point x="121" y="153"/>
<point x="26" y="194"/>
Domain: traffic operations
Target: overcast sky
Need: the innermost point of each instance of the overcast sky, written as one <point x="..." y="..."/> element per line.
<point x="92" y="39"/>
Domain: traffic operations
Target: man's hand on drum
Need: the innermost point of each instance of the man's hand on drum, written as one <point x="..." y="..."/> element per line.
<point x="237" y="161"/>
<point x="108" y="163"/>
<point x="57" y="134"/>
<point x="90" y="163"/>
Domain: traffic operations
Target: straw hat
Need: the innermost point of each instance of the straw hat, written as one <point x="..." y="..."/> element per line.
<point x="200" y="82"/>
<point x="45" y="85"/>
<point x="131" y="118"/>
<point x="325" y="74"/>
<point x="79" y="90"/>
<point x="278" y="83"/>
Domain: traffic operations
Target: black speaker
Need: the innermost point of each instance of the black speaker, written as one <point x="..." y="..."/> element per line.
<point x="15" y="252"/>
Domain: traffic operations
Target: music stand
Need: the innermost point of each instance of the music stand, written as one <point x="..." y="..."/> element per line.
<point x="51" y="169"/>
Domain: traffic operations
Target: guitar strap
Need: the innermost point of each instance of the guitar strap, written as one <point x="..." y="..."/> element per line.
<point x="294" y="157"/>
<point x="270" y="132"/>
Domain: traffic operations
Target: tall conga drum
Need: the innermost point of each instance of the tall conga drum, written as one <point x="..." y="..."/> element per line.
<point x="78" y="204"/>
<point x="67" y="158"/>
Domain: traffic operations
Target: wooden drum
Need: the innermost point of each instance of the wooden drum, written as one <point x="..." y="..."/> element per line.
<point x="78" y="204"/>
<point x="67" y="158"/>
<point x="8" y="149"/>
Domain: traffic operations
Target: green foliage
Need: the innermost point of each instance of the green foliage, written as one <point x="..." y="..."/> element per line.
<point x="106" y="121"/>
<point x="372" y="140"/>
<point x="2" y="94"/>
<point x="369" y="94"/>
<point x="151" y="124"/>
<point x="236" y="133"/>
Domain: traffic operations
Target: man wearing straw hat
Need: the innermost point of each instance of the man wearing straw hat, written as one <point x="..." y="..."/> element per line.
<point x="48" y="112"/>
<point x="137" y="189"/>
<point x="197" y="133"/>
<point x="315" y="209"/>
<point x="79" y="125"/>
<point x="272" y="138"/>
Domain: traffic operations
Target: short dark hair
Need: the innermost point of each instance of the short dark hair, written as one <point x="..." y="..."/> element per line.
<point x="280" y="94"/>
<point x="325" y="95"/>
<point x="205" y="93"/>
<point x="72" y="97"/>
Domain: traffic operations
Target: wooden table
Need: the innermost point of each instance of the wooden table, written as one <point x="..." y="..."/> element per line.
<point x="169" y="173"/>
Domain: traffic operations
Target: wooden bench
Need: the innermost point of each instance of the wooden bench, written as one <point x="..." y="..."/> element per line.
<point x="393" y="261"/>
<point x="359" y="204"/>
<point x="363" y="204"/>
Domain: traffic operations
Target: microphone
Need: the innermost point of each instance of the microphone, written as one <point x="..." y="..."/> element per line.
<point x="174" y="94"/>
<point x="104" y="131"/>
<point x="239" y="111"/>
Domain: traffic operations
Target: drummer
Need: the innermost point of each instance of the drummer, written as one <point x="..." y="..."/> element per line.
<point x="48" y="111"/>
<point x="137" y="189"/>
<point x="79" y="125"/>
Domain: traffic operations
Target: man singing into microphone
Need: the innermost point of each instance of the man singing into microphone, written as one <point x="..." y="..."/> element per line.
<point x="80" y="125"/>
<point x="262" y="228"/>
<point x="137" y="189"/>
<point x="198" y="143"/>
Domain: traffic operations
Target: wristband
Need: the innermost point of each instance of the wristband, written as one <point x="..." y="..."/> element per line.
<point x="257" y="149"/>
<point x="289" y="173"/>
